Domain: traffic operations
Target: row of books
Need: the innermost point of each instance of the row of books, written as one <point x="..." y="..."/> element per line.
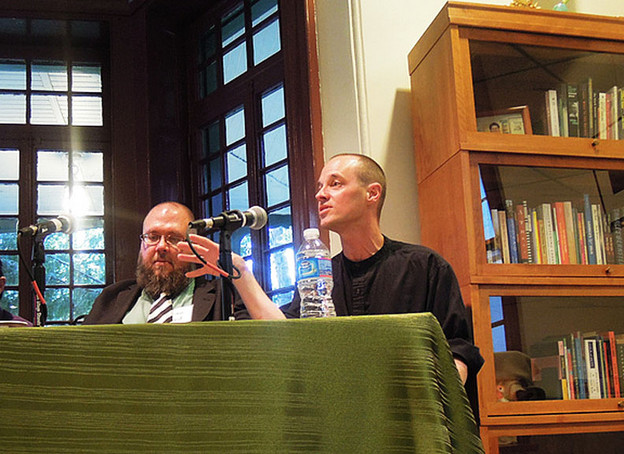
<point x="591" y="365"/>
<point x="556" y="233"/>
<point x="583" y="111"/>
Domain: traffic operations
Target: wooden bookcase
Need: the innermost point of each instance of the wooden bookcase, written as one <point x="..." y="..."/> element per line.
<point x="477" y="64"/>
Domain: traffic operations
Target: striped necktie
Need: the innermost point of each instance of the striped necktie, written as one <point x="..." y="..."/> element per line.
<point x="161" y="310"/>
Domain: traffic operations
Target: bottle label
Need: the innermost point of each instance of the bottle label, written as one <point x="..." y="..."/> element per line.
<point x="314" y="267"/>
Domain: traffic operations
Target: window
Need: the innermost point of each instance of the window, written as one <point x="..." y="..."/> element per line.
<point x="242" y="123"/>
<point x="53" y="159"/>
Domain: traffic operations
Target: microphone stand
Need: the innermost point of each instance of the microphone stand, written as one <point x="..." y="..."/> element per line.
<point x="225" y="262"/>
<point x="39" y="275"/>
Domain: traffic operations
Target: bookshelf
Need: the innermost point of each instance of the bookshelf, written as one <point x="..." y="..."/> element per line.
<point x="517" y="119"/>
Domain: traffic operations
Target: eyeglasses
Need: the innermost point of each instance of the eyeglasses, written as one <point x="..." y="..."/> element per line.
<point x="152" y="239"/>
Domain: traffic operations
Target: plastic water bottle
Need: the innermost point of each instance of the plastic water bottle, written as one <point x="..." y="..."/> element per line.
<point x="314" y="277"/>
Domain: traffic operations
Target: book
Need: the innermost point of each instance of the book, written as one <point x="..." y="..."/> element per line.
<point x="528" y="227"/>
<point x="586" y="120"/>
<point x="617" y="392"/>
<point x="589" y="231"/>
<point x="549" y="240"/>
<point x="537" y="238"/>
<point x="502" y="220"/>
<point x="602" y="116"/>
<point x="562" y="109"/>
<point x="497" y="252"/>
<point x="591" y="363"/>
<point x="511" y="231"/>
<point x="598" y="240"/>
<point x="582" y="238"/>
<point x="570" y="228"/>
<point x="573" y="111"/>
<point x="552" y="113"/>
<point x="523" y="245"/>
<point x="612" y="117"/>
<point x="616" y="232"/>
<point x="563" y="369"/>
<point x="619" y="348"/>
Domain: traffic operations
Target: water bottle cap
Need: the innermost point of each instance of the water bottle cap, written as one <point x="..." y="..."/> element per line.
<point x="311" y="234"/>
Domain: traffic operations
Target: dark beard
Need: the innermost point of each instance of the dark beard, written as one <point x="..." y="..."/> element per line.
<point x="172" y="283"/>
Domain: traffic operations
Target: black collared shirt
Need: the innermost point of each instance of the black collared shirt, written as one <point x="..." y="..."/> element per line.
<point x="403" y="278"/>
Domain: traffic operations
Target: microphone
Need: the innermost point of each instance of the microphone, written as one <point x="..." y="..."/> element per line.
<point x="63" y="224"/>
<point x="255" y="218"/>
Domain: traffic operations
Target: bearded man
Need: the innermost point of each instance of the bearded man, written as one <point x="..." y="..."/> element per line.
<point x="161" y="292"/>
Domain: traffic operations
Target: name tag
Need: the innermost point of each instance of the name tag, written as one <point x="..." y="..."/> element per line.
<point x="182" y="314"/>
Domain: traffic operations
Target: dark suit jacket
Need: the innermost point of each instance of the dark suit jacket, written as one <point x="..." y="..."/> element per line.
<point x="117" y="299"/>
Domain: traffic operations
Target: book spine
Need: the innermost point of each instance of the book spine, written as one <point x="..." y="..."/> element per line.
<point x="552" y="113"/>
<point x="589" y="231"/>
<point x="614" y="366"/>
<point x="602" y="116"/>
<point x="618" y="242"/>
<point x="619" y="348"/>
<point x="511" y="231"/>
<point x="562" y="109"/>
<point x="593" y="375"/>
<point x="573" y="111"/>
<point x="598" y="240"/>
<point x="548" y="234"/>
<point x="523" y="246"/>
<point x="580" y="368"/>
<point x="582" y="238"/>
<point x="537" y="240"/>
<point x="563" y="369"/>
<point x="568" y="217"/>
<point x="502" y="220"/>
<point x="528" y="228"/>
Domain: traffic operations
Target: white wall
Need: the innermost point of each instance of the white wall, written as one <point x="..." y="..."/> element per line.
<point x="363" y="47"/>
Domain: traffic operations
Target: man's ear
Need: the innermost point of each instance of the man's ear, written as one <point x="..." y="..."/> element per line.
<point x="373" y="192"/>
<point x="2" y="283"/>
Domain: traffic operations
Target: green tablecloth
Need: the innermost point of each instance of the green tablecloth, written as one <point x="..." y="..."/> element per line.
<point x="374" y="384"/>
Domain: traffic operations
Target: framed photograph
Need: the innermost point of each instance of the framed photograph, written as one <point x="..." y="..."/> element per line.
<point x="515" y="120"/>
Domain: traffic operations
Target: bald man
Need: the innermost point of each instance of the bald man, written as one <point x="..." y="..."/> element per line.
<point x="161" y="292"/>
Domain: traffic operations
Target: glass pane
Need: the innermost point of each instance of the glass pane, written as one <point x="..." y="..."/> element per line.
<point x="234" y="63"/>
<point x="266" y="42"/>
<point x="13" y="26"/>
<point x="89" y="269"/>
<point x="87" y="200"/>
<point x="215" y="174"/>
<point x="546" y="339"/>
<point x="87" y="111"/>
<point x="280" y="227"/>
<point x="49" y="110"/>
<point x="10" y="301"/>
<point x="553" y="89"/>
<point x="83" y="300"/>
<point x="282" y="268"/>
<point x="87" y="79"/>
<point x="88" y="234"/>
<point x="10" y="267"/>
<point x="9" y="164"/>
<point x="203" y="179"/>
<point x="52" y="166"/>
<point x="49" y="77"/>
<point x="8" y="234"/>
<point x="262" y="9"/>
<point x="283" y="298"/>
<point x="216" y="205"/>
<point x="12" y="109"/>
<point x="58" y="304"/>
<point x="238" y="198"/>
<point x="498" y="338"/>
<point x="48" y="27"/>
<point x="274" y="145"/>
<point x="233" y="26"/>
<point x="52" y="199"/>
<point x="208" y="80"/>
<point x="562" y="443"/>
<point x="278" y="186"/>
<point x="241" y="242"/>
<point x="57" y="269"/>
<point x="9" y="201"/>
<point x="12" y="76"/>
<point x="56" y="242"/>
<point x="207" y="44"/>
<point x="236" y="163"/>
<point x="234" y="126"/>
<point x="496" y="309"/>
<point x="211" y="139"/>
<point x="88" y="166"/>
<point x="555" y="215"/>
<point x="273" y="106"/>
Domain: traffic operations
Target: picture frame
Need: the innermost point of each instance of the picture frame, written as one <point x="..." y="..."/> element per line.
<point x="513" y="120"/>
